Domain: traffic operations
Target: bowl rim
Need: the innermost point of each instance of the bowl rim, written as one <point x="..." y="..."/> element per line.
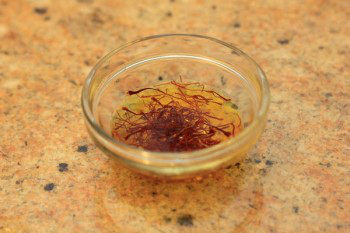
<point x="138" y="155"/>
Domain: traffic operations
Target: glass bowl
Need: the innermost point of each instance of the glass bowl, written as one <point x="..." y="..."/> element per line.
<point x="161" y="58"/>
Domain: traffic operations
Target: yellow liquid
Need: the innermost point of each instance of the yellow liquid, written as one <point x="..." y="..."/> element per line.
<point x="152" y="118"/>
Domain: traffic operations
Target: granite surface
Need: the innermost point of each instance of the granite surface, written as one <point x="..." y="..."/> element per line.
<point x="54" y="179"/>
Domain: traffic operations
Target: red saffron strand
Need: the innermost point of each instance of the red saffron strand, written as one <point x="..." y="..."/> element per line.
<point x="173" y="122"/>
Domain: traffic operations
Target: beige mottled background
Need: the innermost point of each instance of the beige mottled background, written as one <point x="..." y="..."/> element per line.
<point x="53" y="179"/>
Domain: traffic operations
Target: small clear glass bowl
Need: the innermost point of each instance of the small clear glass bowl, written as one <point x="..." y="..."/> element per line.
<point x="161" y="58"/>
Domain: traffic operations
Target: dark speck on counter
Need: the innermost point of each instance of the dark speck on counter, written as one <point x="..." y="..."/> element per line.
<point x="325" y="164"/>
<point x="269" y="162"/>
<point x="223" y="80"/>
<point x="328" y="94"/>
<point x="185" y="220"/>
<point x="236" y="24"/>
<point x="83" y="148"/>
<point x="62" y="167"/>
<point x="72" y="82"/>
<point x="49" y="186"/>
<point x="283" y="41"/>
<point x="40" y="10"/>
<point x="257" y="160"/>
<point x="263" y="172"/>
<point x="167" y="219"/>
<point x="19" y="181"/>
<point x="154" y="194"/>
<point x="296" y="209"/>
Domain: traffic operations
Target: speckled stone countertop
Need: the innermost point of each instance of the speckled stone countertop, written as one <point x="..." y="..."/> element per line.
<point x="54" y="179"/>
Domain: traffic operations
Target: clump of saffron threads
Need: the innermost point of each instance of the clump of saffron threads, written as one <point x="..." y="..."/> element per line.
<point x="173" y="121"/>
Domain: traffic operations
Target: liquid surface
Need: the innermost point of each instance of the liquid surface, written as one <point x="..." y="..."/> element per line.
<point x="174" y="117"/>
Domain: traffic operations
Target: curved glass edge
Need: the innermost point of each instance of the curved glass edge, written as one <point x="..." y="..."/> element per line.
<point x="132" y="153"/>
